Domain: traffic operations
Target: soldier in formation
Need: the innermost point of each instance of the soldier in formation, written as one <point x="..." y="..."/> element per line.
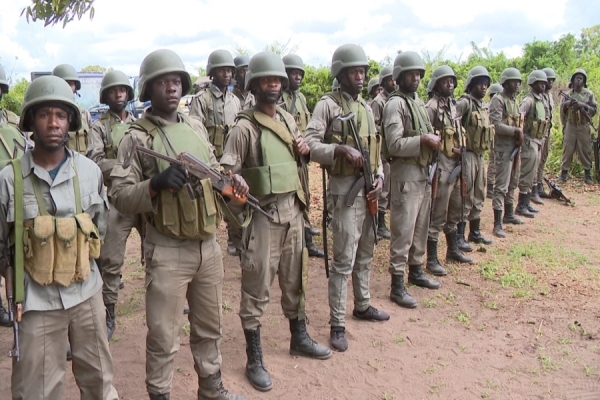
<point x="540" y="193"/>
<point x="373" y="89"/>
<point x="494" y="89"/>
<point x="244" y="96"/>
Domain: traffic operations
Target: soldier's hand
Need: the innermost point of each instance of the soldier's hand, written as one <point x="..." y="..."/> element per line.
<point x="376" y="191"/>
<point x="430" y="140"/>
<point x="352" y="156"/>
<point x="172" y="178"/>
<point x="240" y="187"/>
<point x="301" y="147"/>
<point x="519" y="136"/>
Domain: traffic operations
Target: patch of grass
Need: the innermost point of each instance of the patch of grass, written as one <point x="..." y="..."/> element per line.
<point x="430" y="370"/>
<point x="489" y="269"/>
<point x="130" y="305"/>
<point x="226" y="306"/>
<point x="491" y="384"/>
<point x="463" y="317"/>
<point x="186" y="328"/>
<point x="590" y="371"/>
<point x="429" y="303"/>
<point x="563" y="341"/>
<point x="387" y="396"/>
<point x="491" y="305"/>
<point x="449" y="298"/>
<point x="375" y="366"/>
<point x="521" y="293"/>
<point x="547" y="363"/>
<point x="399" y="340"/>
<point x="517" y="277"/>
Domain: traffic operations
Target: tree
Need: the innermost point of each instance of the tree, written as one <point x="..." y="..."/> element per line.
<point x="282" y="48"/>
<point x="14" y="98"/>
<point x="95" y="68"/>
<point x="55" y="11"/>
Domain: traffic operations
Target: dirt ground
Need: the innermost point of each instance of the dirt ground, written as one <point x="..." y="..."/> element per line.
<point x="523" y="322"/>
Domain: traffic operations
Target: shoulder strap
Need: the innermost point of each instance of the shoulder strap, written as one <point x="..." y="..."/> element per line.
<point x="35" y="182"/>
<point x="146" y="125"/>
<point x="19" y="283"/>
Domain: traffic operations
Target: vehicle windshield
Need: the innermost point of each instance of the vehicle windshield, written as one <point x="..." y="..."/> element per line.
<point x="89" y="92"/>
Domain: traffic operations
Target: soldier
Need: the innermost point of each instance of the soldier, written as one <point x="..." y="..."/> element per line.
<point x="294" y="102"/>
<point x="480" y="135"/>
<point x="245" y="97"/>
<point x="576" y="117"/>
<point x="64" y="195"/>
<point x="183" y="258"/>
<point x="494" y="89"/>
<point x="508" y="124"/>
<point x="331" y="145"/>
<point x="263" y="140"/>
<point x="535" y="110"/>
<point x="77" y="140"/>
<point x="103" y="142"/>
<point x="446" y="206"/>
<point x="545" y="147"/>
<point x="411" y="145"/>
<point x="373" y="89"/>
<point x="388" y="85"/>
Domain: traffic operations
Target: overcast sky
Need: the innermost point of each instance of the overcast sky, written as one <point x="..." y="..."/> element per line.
<point x="124" y="31"/>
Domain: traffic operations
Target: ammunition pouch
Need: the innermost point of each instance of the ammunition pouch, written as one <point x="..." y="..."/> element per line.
<point x="479" y="135"/>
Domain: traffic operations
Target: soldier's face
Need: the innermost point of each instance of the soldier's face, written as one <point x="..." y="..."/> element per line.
<point x="73" y="86"/>
<point x="354" y="79"/>
<point x="550" y="83"/>
<point x="267" y="89"/>
<point x="222" y="76"/>
<point x="410" y="80"/>
<point x="50" y="126"/>
<point x="479" y="89"/>
<point x="165" y="92"/>
<point x="240" y="74"/>
<point x="578" y="80"/>
<point x="538" y="87"/>
<point x="512" y="85"/>
<point x="445" y="86"/>
<point x="295" y="76"/>
<point x="116" y="98"/>
<point x="375" y="91"/>
<point x="388" y="84"/>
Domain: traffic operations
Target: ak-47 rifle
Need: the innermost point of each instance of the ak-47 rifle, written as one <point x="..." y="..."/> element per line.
<point x="324" y="221"/>
<point x="515" y="154"/>
<point x="365" y="180"/>
<point x="556" y="192"/>
<point x="14" y="310"/>
<point x="574" y="101"/>
<point x="221" y="182"/>
<point x="434" y="178"/>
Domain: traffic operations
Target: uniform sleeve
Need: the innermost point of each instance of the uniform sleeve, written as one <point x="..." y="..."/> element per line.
<point x="393" y="128"/>
<point x="496" y="111"/>
<point x="593" y="105"/>
<point x="431" y="108"/>
<point x="100" y="211"/>
<point x="198" y="108"/>
<point x="6" y="184"/>
<point x="130" y="189"/>
<point x="236" y="149"/>
<point x="462" y="107"/>
<point x="526" y="105"/>
<point x="87" y="117"/>
<point x="320" y="152"/>
<point x="377" y="108"/>
<point x="95" y="149"/>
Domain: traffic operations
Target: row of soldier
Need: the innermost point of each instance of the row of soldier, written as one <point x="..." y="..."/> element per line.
<point x="262" y="134"/>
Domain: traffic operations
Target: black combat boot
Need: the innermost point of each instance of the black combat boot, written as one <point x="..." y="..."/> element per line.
<point x="165" y="396"/>
<point x="475" y="235"/>
<point x="564" y="175"/>
<point x="490" y="191"/>
<point x="529" y="206"/>
<point x="69" y="352"/>
<point x="382" y="230"/>
<point x="417" y="277"/>
<point x="4" y="317"/>
<point x="462" y="244"/>
<point x="509" y="215"/>
<point x="110" y="320"/>
<point x="522" y="208"/>
<point x="256" y="371"/>
<point x="371" y="314"/>
<point x="313" y="231"/>
<point x="211" y="388"/>
<point x="535" y="195"/>
<point x="313" y="250"/>
<point x="498" y="229"/>
<point x="186" y="309"/>
<point x="587" y="177"/>
<point x="399" y="295"/>
<point x="302" y="345"/>
<point x="453" y="253"/>
<point x="337" y="335"/>
<point x="542" y="191"/>
<point x="433" y="263"/>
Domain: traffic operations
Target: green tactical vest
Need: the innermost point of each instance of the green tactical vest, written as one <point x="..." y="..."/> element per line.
<point x="301" y="115"/>
<point x="78" y="140"/>
<point x="421" y="126"/>
<point x="8" y="134"/>
<point x="278" y="173"/>
<point x="480" y="131"/>
<point x="115" y="131"/>
<point x="575" y="117"/>
<point x="450" y="138"/>
<point x="217" y="130"/>
<point x="10" y="117"/>
<point x="536" y="124"/>
<point x="178" y="214"/>
<point x="512" y="116"/>
<point x="338" y="132"/>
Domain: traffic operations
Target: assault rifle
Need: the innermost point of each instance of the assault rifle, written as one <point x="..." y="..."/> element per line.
<point x="556" y="192"/>
<point x="434" y="179"/>
<point x="324" y="221"/>
<point x="221" y="182"/>
<point x="365" y="180"/>
<point x="573" y="101"/>
<point x="14" y="310"/>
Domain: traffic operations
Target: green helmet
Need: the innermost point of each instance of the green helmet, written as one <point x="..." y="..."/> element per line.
<point x="335" y="86"/>
<point x="293" y="61"/>
<point x="510" y="73"/>
<point x="550" y="73"/>
<point x="112" y="79"/>
<point x="264" y="64"/>
<point x="161" y="62"/>
<point x="495" y="88"/>
<point x="536" y="76"/>
<point x="385" y="72"/>
<point x="217" y="59"/>
<point x="582" y="72"/>
<point x="477" y="72"/>
<point x="241" y="61"/>
<point x="3" y="82"/>
<point x="440" y="72"/>
<point x="68" y="73"/>
<point x="407" y="61"/>
<point x="48" y="89"/>
<point x="346" y="56"/>
<point x="372" y="83"/>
